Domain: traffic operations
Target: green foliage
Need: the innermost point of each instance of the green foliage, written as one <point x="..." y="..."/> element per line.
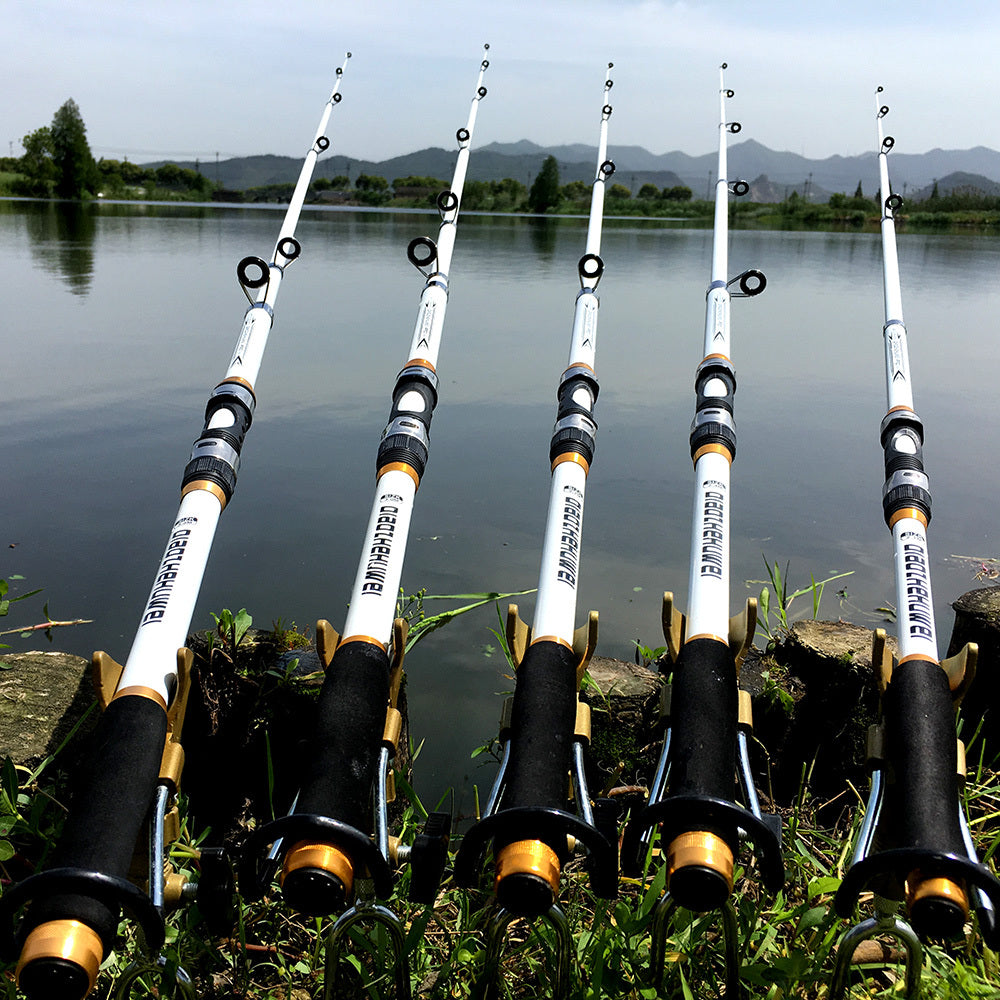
<point x="419" y="182"/>
<point x="544" y="193"/>
<point x="575" y="191"/>
<point x="36" y="165"/>
<point x="646" y="656"/>
<point x="5" y="603"/>
<point x="232" y="629"/>
<point x="772" y="617"/>
<point x="371" y="182"/>
<point x="679" y="192"/>
<point x="648" y="191"/>
<point x="76" y="172"/>
<point x="411" y="607"/>
<point x="619" y="192"/>
<point x="507" y="195"/>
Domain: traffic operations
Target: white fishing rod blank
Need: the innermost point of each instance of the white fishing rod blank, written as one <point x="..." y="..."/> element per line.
<point x="915" y="832"/>
<point x="703" y="755"/>
<point x="326" y="843"/>
<point x="528" y="822"/>
<point x="72" y="922"/>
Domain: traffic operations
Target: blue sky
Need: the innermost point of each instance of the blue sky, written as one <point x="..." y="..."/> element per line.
<point x="192" y="77"/>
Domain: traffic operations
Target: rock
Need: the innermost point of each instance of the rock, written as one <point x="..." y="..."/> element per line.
<point x="42" y="696"/>
<point x="624" y="700"/>
<point x="977" y="619"/>
<point x="814" y="700"/>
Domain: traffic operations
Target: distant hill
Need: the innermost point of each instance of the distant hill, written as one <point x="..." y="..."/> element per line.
<point x="636" y="166"/>
<point x="959" y="182"/>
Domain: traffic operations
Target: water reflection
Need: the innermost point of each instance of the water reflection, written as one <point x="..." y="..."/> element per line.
<point x="61" y="238"/>
<point x="127" y="367"/>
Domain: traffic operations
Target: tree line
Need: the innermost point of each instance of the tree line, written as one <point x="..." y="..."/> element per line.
<point x="57" y="162"/>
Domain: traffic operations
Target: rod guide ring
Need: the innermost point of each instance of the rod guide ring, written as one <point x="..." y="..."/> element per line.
<point x="427" y="244"/>
<point x="887" y="143"/>
<point x="322" y="143"/>
<point x="730" y="93"/>
<point x="733" y="127"/>
<point x="485" y="64"/>
<point x="607" y="168"/>
<point x="751" y="282"/>
<point x="481" y="91"/>
<point x="590" y="268"/>
<point x="289" y="248"/>
<point x="462" y="135"/>
<point x="741" y="188"/>
<point x="884" y="110"/>
<point x="447" y="201"/>
<point x="243" y="272"/>
<point x="606" y="110"/>
<point x="894" y="202"/>
<point x="338" y="97"/>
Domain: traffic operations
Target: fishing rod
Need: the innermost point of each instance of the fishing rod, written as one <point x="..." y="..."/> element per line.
<point x="914" y="845"/>
<point x="325" y="845"/>
<point x="527" y="820"/>
<point x="707" y="716"/>
<point x="71" y="924"/>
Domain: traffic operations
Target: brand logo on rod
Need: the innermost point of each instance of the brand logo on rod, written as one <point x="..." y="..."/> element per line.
<point x="381" y="549"/>
<point x="426" y="323"/>
<point x="166" y="575"/>
<point x="919" y="615"/>
<point x="569" y="539"/>
<point x="713" y="530"/>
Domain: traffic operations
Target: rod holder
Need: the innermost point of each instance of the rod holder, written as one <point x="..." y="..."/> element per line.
<point x="496" y="934"/>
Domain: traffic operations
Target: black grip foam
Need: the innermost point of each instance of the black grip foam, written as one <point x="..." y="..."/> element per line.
<point x="109" y="806"/>
<point x="703" y="700"/>
<point x="543" y="718"/>
<point x="349" y="726"/>
<point x="921" y="740"/>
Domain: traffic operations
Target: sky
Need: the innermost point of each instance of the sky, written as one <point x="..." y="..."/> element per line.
<point x="195" y="78"/>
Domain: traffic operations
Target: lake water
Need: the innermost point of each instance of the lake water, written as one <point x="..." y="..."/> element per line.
<point x="120" y="319"/>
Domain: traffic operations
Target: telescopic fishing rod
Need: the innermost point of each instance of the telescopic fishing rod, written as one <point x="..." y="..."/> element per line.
<point x="72" y="921"/>
<point x="325" y="845"/>
<point x="914" y="844"/>
<point x="527" y="819"/>
<point x="707" y="716"/>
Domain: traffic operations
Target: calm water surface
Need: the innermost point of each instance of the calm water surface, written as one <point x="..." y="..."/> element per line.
<point x="120" y="319"/>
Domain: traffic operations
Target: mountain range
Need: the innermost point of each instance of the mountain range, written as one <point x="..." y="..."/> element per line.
<point x="780" y="171"/>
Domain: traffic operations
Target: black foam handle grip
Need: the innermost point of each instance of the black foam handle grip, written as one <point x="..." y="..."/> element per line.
<point x="350" y="721"/>
<point x="109" y="806"/>
<point x="543" y="718"/>
<point x="920" y="735"/>
<point x="703" y="700"/>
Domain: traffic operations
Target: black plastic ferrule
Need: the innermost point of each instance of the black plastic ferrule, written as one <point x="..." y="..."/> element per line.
<point x="215" y="456"/>
<point x="575" y="428"/>
<point x="713" y="416"/>
<point x="906" y="483"/>
<point x="406" y="437"/>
